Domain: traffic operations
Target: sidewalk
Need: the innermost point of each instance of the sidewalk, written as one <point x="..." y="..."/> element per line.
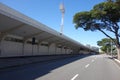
<point x="19" y="61"/>
<point x="115" y="59"/>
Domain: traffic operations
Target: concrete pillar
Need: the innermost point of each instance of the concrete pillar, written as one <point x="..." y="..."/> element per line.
<point x="2" y="37"/>
<point x="55" y="49"/>
<point x="35" y="49"/>
<point x="23" y="49"/>
<point x="0" y="47"/>
<point x="48" y="49"/>
<point x="32" y="49"/>
<point x="38" y="48"/>
<point x="39" y="44"/>
<point x="61" y="50"/>
<point x="65" y="50"/>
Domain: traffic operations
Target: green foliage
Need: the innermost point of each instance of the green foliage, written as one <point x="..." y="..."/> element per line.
<point x="104" y="16"/>
<point x="105" y="49"/>
<point x="100" y="16"/>
<point x="81" y="19"/>
<point x="108" y="11"/>
<point x="105" y="44"/>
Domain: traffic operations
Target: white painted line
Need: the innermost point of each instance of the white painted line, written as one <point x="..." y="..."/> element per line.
<point x="87" y="65"/>
<point x="93" y="60"/>
<point x="75" y="77"/>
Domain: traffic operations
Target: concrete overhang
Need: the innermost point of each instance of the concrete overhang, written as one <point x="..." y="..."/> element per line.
<point x="14" y="23"/>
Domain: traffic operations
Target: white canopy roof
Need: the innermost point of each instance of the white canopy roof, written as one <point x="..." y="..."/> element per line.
<point x="14" y="23"/>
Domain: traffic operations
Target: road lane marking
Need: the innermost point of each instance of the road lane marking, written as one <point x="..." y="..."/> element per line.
<point x="75" y="77"/>
<point x="87" y="65"/>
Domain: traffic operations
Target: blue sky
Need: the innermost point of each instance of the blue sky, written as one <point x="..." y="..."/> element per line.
<point x="48" y="13"/>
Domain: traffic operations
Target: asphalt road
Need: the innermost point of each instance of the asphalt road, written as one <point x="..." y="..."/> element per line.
<point x="95" y="67"/>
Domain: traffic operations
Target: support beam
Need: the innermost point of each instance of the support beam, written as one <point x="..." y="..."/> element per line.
<point x="12" y="29"/>
<point x="47" y="38"/>
<point x="60" y="42"/>
<point x="65" y="43"/>
<point x="4" y="33"/>
<point x="55" y="41"/>
<point x="32" y="35"/>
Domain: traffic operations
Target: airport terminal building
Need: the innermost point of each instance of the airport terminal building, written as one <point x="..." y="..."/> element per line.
<point x="21" y="35"/>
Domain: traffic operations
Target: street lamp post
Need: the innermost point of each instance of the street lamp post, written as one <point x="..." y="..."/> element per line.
<point x="111" y="48"/>
<point x="62" y="9"/>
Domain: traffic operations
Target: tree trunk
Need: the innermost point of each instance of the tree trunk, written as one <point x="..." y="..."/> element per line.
<point x="118" y="53"/>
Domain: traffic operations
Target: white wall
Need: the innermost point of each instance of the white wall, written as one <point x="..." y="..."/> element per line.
<point x="35" y="50"/>
<point x="28" y="49"/>
<point x="11" y="49"/>
<point x="63" y="51"/>
<point x="58" y="50"/>
<point x="43" y="50"/>
<point x="68" y="51"/>
<point x="52" y="49"/>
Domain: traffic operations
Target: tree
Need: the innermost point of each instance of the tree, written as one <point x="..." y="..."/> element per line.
<point x="105" y="45"/>
<point x="103" y="17"/>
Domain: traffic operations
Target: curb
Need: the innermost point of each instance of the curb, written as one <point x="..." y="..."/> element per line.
<point x="117" y="60"/>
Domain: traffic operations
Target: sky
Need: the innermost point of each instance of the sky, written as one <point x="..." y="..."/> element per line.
<point x="48" y="13"/>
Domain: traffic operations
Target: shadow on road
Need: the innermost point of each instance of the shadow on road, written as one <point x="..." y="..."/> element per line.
<point x="37" y="70"/>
